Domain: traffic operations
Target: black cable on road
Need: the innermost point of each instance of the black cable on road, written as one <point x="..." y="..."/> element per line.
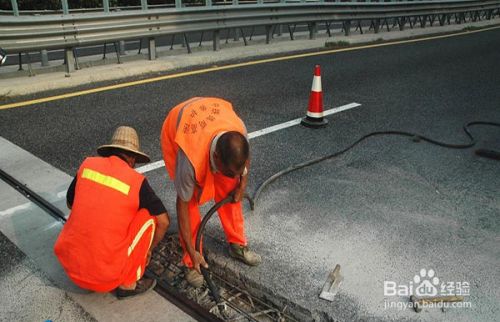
<point x="416" y="138"/>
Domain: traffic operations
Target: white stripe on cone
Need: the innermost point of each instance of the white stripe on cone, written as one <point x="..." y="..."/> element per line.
<point x="314" y="114"/>
<point x="316" y="85"/>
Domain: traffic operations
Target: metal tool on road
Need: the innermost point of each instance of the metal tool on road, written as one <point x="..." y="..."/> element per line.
<point x="418" y="302"/>
<point x="332" y="284"/>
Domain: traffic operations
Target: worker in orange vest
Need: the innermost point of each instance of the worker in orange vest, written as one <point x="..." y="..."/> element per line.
<point x="206" y="154"/>
<point x="116" y="220"/>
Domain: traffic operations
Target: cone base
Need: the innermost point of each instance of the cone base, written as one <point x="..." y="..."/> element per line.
<point x="314" y="122"/>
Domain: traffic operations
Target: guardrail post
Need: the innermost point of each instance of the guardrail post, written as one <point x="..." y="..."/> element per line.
<point x="402" y="23"/>
<point x="15" y="8"/>
<point x="151" y="49"/>
<point x="313" y="28"/>
<point x="423" y="21"/>
<point x="376" y="26"/>
<point x="45" y="57"/>
<point x="237" y="2"/>
<point x="208" y="3"/>
<point x="488" y="14"/>
<point x="216" y="40"/>
<point x="269" y="33"/>
<point x="347" y="27"/>
<point x="144" y="4"/>
<point x="70" y="61"/>
<point x="121" y="47"/>
<point x="20" y="62"/>
<point x="178" y="4"/>
<point x="105" y="5"/>
<point x="65" y="7"/>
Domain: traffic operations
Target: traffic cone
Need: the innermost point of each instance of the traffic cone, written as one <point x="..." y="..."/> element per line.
<point x="314" y="117"/>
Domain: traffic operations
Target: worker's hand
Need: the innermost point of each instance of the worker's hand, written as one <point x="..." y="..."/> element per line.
<point x="198" y="261"/>
<point x="238" y="194"/>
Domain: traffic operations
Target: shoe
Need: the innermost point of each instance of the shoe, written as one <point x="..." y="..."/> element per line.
<point x="194" y="278"/>
<point x="244" y="254"/>
<point x="142" y="286"/>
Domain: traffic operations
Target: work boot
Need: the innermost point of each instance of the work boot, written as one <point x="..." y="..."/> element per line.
<point x="142" y="286"/>
<point x="244" y="254"/>
<point x="194" y="278"/>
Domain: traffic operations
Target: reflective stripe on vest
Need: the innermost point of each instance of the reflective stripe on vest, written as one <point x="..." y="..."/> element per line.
<point x="141" y="232"/>
<point x="105" y="180"/>
<point x="139" y="271"/>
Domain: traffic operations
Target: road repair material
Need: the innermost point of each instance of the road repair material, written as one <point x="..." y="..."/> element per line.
<point x="419" y="302"/>
<point x="332" y="284"/>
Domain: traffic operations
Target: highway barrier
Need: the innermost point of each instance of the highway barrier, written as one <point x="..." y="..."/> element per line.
<point x="33" y="33"/>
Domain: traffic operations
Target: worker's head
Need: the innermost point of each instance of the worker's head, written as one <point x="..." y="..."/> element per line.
<point x="231" y="154"/>
<point x="3" y="56"/>
<point x="125" y="143"/>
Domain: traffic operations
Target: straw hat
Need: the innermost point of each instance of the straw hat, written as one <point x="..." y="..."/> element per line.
<point x="125" y="138"/>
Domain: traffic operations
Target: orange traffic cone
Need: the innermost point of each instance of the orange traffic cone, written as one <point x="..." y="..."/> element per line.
<point x="314" y="117"/>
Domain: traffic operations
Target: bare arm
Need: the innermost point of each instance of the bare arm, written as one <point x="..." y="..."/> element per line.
<point x="185" y="233"/>
<point x="240" y="189"/>
<point x="163" y="221"/>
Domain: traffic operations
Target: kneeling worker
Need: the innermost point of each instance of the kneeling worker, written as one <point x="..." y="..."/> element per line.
<point x="116" y="220"/>
<point x="206" y="153"/>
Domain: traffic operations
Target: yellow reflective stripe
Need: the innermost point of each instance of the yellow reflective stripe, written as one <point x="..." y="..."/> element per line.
<point x="105" y="180"/>
<point x="138" y="237"/>
<point x="139" y="273"/>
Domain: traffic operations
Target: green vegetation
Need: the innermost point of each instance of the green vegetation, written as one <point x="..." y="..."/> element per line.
<point x="471" y="28"/>
<point x="336" y="44"/>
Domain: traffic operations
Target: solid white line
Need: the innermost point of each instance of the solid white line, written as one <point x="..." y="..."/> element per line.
<point x="15" y="209"/>
<point x="24" y="206"/>
<point x="150" y="166"/>
<point x="267" y="130"/>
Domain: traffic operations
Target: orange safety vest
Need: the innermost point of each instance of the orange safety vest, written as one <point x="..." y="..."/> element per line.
<point x="201" y="120"/>
<point x="93" y="246"/>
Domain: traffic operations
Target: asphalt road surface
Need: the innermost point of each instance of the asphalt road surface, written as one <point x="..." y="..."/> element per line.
<point x="385" y="200"/>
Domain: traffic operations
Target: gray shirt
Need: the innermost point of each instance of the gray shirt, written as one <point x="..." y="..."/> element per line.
<point x="185" y="180"/>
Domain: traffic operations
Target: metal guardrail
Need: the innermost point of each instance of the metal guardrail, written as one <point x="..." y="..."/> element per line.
<point x="65" y="8"/>
<point x="34" y="33"/>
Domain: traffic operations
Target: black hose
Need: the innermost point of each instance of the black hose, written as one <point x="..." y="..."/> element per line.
<point x="206" y="274"/>
<point x="416" y="138"/>
<point x="213" y="289"/>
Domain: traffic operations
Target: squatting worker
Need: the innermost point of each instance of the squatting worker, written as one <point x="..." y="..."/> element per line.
<point x="206" y="153"/>
<point x="116" y="220"/>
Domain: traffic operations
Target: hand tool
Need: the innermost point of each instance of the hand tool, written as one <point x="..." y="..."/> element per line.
<point x="332" y="284"/>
